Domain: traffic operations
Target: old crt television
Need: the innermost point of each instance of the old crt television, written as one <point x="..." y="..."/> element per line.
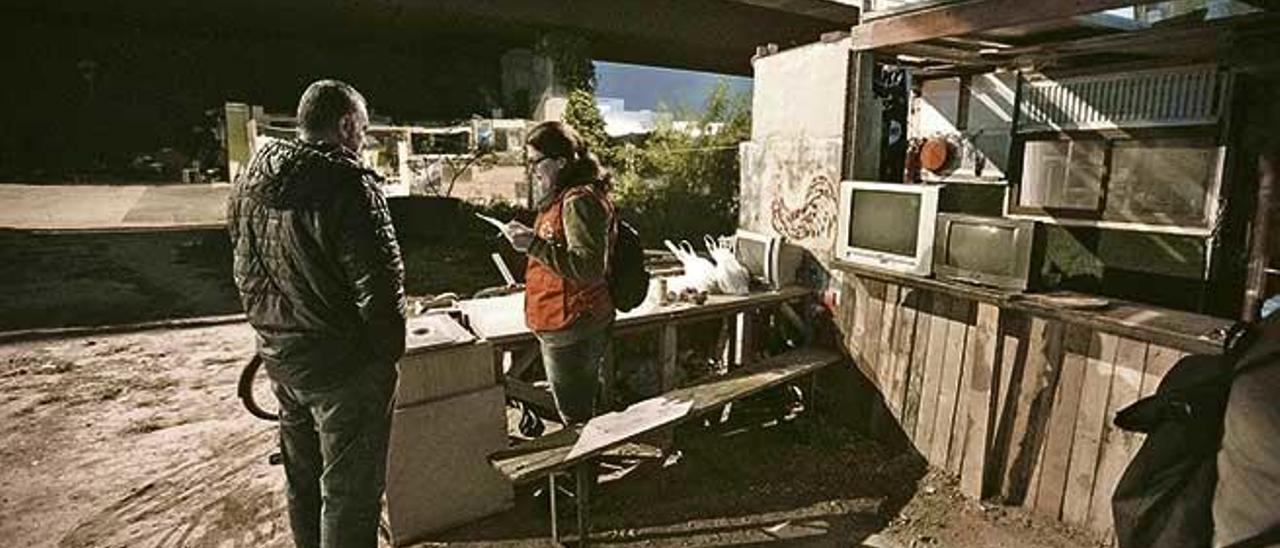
<point x="991" y="251"/>
<point x="769" y="259"/>
<point x="887" y="226"/>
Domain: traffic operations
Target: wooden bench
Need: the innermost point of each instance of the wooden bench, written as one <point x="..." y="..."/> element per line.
<point x="547" y="455"/>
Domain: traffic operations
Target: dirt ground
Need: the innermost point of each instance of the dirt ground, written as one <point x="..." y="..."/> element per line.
<point x="61" y="279"/>
<point x="138" y="440"/>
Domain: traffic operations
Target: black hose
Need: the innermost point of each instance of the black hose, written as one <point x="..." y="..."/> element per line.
<point x="244" y="389"/>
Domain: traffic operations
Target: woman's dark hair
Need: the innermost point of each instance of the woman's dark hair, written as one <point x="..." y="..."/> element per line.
<point x="560" y="140"/>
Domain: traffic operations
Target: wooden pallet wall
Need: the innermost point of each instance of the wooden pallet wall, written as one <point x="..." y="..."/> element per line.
<point x="1019" y="407"/>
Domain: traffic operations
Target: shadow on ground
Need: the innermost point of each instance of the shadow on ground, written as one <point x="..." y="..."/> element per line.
<point x="758" y="479"/>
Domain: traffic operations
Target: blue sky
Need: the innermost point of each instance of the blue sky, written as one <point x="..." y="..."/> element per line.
<point x="644" y="87"/>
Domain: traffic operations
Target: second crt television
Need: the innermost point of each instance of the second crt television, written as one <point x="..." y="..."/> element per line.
<point x="888" y="226"/>
<point x="769" y="259"/>
<point x="991" y="251"/>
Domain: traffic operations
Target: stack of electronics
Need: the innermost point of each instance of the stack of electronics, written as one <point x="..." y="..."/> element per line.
<point x="897" y="227"/>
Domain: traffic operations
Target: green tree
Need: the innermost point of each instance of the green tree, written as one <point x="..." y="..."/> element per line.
<point x="682" y="182"/>
<point x="581" y="113"/>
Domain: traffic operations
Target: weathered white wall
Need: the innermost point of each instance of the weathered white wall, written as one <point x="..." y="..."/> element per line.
<point x="791" y="168"/>
<point x="800" y="92"/>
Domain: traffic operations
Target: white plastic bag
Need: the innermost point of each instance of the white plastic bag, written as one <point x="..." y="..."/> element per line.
<point x="731" y="276"/>
<point x="699" y="273"/>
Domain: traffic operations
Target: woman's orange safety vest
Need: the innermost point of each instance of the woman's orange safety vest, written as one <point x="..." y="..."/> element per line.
<point x="553" y="302"/>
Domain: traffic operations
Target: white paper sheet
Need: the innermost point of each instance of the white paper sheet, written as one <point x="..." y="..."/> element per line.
<point x="614" y="427"/>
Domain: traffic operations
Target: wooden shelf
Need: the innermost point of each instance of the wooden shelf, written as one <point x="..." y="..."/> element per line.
<point x="1185" y="331"/>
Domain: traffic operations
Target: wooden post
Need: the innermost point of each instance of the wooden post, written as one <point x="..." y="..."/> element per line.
<point x="862" y="121"/>
<point x="585" y="479"/>
<point x="728" y="332"/>
<point x="1256" y="285"/>
<point x="551" y="496"/>
<point x="667" y="356"/>
<point x="744" y="340"/>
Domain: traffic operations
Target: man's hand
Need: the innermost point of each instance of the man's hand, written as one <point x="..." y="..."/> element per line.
<point x="520" y="235"/>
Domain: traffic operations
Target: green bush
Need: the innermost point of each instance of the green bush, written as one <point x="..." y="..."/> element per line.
<point x="682" y="183"/>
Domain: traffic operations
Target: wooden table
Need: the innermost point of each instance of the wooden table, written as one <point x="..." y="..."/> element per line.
<point x="500" y="321"/>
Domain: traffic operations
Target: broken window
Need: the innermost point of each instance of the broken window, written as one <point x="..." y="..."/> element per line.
<point x="1152" y="177"/>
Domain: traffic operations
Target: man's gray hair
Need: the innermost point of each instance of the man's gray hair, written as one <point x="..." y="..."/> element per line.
<point x="324" y="103"/>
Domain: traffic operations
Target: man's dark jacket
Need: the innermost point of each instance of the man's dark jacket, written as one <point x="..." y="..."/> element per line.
<point x="316" y="264"/>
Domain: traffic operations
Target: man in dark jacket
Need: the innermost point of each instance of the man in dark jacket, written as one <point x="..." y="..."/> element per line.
<point x="320" y="277"/>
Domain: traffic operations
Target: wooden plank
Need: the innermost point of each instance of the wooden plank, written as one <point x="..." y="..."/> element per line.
<point x="1118" y="446"/>
<point x="1012" y="354"/>
<point x="1030" y="413"/>
<point x="875" y="324"/>
<point x="904" y="336"/>
<point x="916" y="366"/>
<point x="1062" y="422"/>
<point x="1033" y="482"/>
<point x="885" y="338"/>
<point x="979" y="393"/>
<point x="858" y="339"/>
<point x="970" y="17"/>
<point x="1182" y="330"/>
<point x="1010" y="361"/>
<point x="932" y="373"/>
<point x="846" y="305"/>
<point x="952" y="362"/>
<point x="955" y="453"/>
<point x="540" y="456"/>
<point x="863" y="132"/>
<point x="1090" y="423"/>
<point x="668" y="341"/>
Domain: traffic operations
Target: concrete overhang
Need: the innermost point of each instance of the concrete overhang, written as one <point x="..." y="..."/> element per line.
<point x="710" y="35"/>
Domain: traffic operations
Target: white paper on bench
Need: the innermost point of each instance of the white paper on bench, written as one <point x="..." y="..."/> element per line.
<point x="620" y="425"/>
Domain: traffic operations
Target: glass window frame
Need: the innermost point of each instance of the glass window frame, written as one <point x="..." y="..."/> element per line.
<point x="1202" y="220"/>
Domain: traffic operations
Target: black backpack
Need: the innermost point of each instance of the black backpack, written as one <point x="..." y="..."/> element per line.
<point x="628" y="279"/>
<point x="1165" y="496"/>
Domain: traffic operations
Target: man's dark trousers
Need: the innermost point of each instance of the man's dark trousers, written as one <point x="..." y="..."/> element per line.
<point x="334" y="445"/>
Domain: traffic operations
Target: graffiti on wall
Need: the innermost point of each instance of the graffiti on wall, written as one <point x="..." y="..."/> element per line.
<point x="789" y="188"/>
<point x="813" y="217"/>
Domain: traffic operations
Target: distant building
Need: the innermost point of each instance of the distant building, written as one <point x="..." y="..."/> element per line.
<point x="619" y="122"/>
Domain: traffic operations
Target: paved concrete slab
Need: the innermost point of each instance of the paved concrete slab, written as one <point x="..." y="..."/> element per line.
<point x="111" y="207"/>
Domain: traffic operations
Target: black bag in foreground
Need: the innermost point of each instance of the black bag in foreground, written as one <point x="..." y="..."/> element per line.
<point x="628" y="280"/>
<point x="1165" y="496"/>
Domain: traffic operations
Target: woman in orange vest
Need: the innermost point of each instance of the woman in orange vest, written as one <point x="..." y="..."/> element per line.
<point x="567" y="302"/>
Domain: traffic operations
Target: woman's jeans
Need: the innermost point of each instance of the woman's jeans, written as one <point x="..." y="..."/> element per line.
<point x="334" y="446"/>
<point x="573" y="359"/>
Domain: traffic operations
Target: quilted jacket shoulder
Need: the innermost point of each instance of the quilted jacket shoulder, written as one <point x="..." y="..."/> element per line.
<point x="317" y="265"/>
